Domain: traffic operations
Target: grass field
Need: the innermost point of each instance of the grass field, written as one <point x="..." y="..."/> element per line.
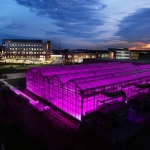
<point x="8" y="71"/>
<point x="6" y="68"/>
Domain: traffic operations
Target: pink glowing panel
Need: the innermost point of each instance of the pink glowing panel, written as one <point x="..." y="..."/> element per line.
<point x="74" y="87"/>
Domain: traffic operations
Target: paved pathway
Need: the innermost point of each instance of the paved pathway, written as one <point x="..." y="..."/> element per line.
<point x="15" y="75"/>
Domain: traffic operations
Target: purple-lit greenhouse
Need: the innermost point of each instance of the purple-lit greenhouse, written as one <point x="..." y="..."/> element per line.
<point x="78" y="89"/>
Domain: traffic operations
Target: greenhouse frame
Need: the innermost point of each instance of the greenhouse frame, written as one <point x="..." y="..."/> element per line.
<point x="80" y="89"/>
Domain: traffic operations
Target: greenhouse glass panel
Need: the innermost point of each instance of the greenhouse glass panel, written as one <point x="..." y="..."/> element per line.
<point x="78" y="89"/>
<point x="30" y="80"/>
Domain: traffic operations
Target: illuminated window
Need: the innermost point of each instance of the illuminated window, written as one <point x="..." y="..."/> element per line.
<point x="87" y="56"/>
<point x="69" y="60"/>
<point x="75" y="56"/>
<point x="75" y="60"/>
<point x="69" y="56"/>
<point x="12" y="44"/>
<point x="93" y="56"/>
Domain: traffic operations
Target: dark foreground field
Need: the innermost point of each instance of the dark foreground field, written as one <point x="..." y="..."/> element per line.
<point x="22" y="128"/>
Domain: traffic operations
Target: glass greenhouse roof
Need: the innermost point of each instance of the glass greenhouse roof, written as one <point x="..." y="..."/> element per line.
<point x="109" y="81"/>
<point x="50" y="71"/>
<point x="65" y="77"/>
<point x="94" y="75"/>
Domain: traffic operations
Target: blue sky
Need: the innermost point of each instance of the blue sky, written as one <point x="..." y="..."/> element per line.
<point x="91" y="24"/>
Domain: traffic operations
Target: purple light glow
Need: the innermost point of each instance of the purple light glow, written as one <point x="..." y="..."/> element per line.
<point x="77" y="89"/>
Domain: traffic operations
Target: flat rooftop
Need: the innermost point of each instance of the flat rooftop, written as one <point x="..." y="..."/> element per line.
<point x="22" y="40"/>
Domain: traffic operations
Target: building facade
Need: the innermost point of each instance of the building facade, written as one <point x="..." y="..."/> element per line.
<point x="134" y="54"/>
<point x="27" y="49"/>
<point x="77" y="57"/>
<point x="119" y="53"/>
<point x="2" y="52"/>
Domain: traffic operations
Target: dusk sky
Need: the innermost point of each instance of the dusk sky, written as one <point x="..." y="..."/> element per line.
<point x="91" y="24"/>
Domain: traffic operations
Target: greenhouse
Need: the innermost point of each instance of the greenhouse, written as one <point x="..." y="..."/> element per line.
<point x="80" y="89"/>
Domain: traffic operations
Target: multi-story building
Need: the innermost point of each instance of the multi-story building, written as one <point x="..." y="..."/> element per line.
<point x="2" y="52"/>
<point x="134" y="54"/>
<point x="119" y="53"/>
<point x="77" y="57"/>
<point x="27" y="49"/>
<point x="124" y="53"/>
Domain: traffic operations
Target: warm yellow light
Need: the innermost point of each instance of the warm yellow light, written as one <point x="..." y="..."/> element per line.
<point x="47" y="46"/>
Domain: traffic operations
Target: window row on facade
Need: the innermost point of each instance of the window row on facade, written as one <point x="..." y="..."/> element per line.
<point x="33" y="49"/>
<point x="23" y="52"/>
<point x="25" y="45"/>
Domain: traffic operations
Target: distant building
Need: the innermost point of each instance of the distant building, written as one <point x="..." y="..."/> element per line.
<point x="27" y="49"/>
<point x="119" y="53"/>
<point x="78" y="56"/>
<point x="114" y="49"/>
<point x="134" y="54"/>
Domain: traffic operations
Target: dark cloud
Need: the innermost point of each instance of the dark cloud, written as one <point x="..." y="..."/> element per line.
<point x="88" y="36"/>
<point x="75" y="18"/>
<point x="135" y="27"/>
<point x="16" y="25"/>
<point x="12" y="36"/>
